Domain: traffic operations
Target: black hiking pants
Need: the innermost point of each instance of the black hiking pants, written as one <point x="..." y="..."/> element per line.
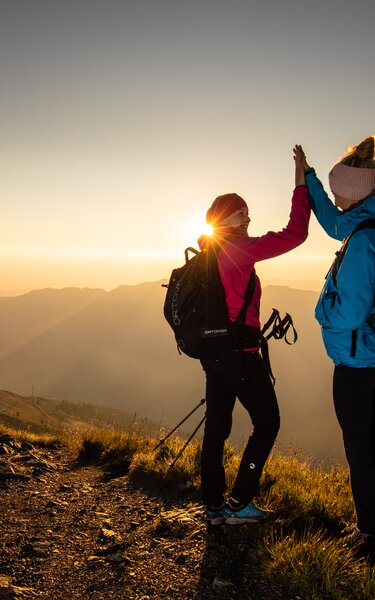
<point x="354" y="400"/>
<point x="243" y="376"/>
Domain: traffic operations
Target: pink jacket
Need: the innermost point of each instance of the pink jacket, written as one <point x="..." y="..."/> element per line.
<point x="237" y="257"/>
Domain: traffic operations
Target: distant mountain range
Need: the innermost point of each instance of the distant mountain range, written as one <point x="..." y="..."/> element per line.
<point x="115" y="349"/>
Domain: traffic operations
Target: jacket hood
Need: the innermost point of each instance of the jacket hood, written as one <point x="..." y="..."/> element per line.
<point x="348" y="220"/>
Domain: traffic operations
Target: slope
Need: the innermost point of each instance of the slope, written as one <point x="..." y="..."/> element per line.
<point x="118" y="351"/>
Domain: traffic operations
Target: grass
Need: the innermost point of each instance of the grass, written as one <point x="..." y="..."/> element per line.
<point x="45" y="440"/>
<point x="303" y="543"/>
<point x="299" y="492"/>
<point x="322" y="565"/>
<point x="156" y="462"/>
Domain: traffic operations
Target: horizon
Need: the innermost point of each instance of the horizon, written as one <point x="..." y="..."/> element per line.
<point x="122" y="122"/>
<point x="23" y="273"/>
<point x="297" y="284"/>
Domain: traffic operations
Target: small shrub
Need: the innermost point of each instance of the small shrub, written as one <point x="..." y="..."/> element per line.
<point x="91" y="450"/>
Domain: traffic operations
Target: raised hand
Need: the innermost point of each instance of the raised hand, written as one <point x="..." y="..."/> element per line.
<point x="301" y="164"/>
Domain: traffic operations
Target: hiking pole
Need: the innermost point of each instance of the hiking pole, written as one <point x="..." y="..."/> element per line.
<point x="184" y="446"/>
<point x="180" y="423"/>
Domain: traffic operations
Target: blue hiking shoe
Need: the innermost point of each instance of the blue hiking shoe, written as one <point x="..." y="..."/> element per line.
<point x="245" y="514"/>
<point x="215" y="516"/>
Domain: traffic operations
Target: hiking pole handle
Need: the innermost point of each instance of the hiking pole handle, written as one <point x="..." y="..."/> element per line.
<point x="295" y="334"/>
<point x="180" y="423"/>
<point x="184" y="446"/>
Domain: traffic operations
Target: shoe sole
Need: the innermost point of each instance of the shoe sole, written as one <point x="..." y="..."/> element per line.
<point x="215" y="520"/>
<point x="239" y="520"/>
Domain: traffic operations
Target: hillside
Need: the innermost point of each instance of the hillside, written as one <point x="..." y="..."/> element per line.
<point x="23" y="318"/>
<point x="104" y="517"/>
<point x="55" y="416"/>
<point x="117" y="350"/>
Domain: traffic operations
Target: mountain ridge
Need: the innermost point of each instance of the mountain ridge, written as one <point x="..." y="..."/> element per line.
<point x="118" y="350"/>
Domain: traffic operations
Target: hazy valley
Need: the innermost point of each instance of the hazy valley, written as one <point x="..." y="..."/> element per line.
<point x="115" y="349"/>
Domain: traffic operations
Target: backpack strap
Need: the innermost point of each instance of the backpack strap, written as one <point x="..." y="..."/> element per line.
<point x="335" y="268"/>
<point x="336" y="265"/>
<point x="240" y="322"/>
<point x="249" y="292"/>
<point x="192" y="250"/>
<point x="266" y="357"/>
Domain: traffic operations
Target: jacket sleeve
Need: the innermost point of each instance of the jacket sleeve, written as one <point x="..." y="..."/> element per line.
<point x="295" y="233"/>
<point x="323" y="208"/>
<point x="348" y="306"/>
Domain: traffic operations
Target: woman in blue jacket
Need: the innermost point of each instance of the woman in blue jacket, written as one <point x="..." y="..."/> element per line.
<point x="346" y="313"/>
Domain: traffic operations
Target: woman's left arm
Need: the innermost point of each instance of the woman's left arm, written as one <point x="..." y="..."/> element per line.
<point x="294" y="234"/>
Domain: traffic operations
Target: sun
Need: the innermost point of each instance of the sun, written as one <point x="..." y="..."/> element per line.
<point x="194" y="229"/>
<point x="207" y="229"/>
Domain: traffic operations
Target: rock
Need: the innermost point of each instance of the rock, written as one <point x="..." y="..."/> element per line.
<point x="181" y="559"/>
<point x="8" y="440"/>
<point x="4" y="585"/>
<point x="37" y="550"/>
<point x="9" y="591"/>
<point x="118" y="557"/>
<point x="20" y="461"/>
<point x="107" y="535"/>
<point x="65" y="488"/>
<point x="222" y="583"/>
<point x="109" y="550"/>
<point x="6" y="467"/>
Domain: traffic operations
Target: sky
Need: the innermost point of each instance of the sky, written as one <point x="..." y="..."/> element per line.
<point x="121" y="121"/>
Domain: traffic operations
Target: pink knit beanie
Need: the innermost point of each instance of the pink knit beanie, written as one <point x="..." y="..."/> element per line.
<point x="352" y="183"/>
<point x="223" y="206"/>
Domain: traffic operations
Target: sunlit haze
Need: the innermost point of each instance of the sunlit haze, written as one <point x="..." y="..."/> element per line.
<point x="122" y="121"/>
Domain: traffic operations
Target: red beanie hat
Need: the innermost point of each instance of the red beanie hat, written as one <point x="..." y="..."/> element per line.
<point x="222" y="207"/>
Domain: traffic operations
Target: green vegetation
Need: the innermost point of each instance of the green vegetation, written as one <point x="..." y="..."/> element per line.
<point x="303" y="543"/>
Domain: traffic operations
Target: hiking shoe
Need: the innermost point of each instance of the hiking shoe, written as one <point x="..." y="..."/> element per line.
<point x="215" y="516"/>
<point x="245" y="514"/>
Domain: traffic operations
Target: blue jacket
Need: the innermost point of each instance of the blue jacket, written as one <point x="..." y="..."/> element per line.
<point x="346" y="304"/>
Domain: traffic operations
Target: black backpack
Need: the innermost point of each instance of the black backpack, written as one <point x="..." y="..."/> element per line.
<point x="196" y="309"/>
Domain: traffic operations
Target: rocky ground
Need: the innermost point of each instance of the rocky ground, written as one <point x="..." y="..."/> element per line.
<point x="70" y="531"/>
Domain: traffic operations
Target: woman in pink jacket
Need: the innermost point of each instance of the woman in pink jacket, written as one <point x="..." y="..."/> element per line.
<point x="251" y="383"/>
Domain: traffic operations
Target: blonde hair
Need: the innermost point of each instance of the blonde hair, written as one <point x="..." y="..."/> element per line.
<point x="361" y="155"/>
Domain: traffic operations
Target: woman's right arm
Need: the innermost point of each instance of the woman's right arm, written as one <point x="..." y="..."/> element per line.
<point x="323" y="208"/>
